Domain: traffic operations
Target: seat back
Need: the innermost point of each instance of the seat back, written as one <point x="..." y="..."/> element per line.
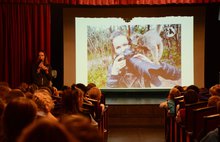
<point x="198" y="121"/>
<point x="189" y="110"/>
<point x="211" y="122"/>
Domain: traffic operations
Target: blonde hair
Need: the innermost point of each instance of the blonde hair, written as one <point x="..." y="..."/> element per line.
<point x="43" y="100"/>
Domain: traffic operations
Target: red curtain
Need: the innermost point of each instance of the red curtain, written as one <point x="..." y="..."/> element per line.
<point x="25" y="29"/>
<point x="110" y="2"/>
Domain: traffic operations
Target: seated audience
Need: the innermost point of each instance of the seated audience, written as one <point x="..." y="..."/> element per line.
<point x="190" y="96"/>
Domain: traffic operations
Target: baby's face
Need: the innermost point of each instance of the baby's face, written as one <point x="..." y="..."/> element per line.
<point x="120" y="44"/>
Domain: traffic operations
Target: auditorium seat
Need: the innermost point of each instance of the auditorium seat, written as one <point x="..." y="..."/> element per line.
<point x="210" y="123"/>
<point x="198" y="121"/>
<point x="185" y="129"/>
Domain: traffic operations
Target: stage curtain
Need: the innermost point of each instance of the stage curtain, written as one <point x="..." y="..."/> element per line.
<point x="25" y="29"/>
<point x="142" y="2"/>
<point x="110" y="2"/>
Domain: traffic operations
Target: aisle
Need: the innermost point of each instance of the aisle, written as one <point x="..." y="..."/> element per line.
<point x="145" y="134"/>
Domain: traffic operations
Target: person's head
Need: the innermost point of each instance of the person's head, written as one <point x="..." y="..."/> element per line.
<point x="90" y="85"/>
<point x="82" y="87"/>
<point x="4" y="90"/>
<point x="72" y="100"/>
<point x="94" y="93"/>
<point x="18" y="114"/>
<point x="42" y="57"/>
<point x="43" y="100"/>
<point x="212" y="101"/>
<point x="80" y="127"/>
<point x="120" y="42"/>
<point x="215" y="90"/>
<point x="14" y="94"/>
<point x="174" y="92"/>
<point x="180" y="88"/>
<point x="190" y="96"/>
<point x="45" y="130"/>
<point x="193" y="87"/>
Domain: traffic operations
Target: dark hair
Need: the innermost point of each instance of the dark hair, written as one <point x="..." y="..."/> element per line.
<point x="18" y="114"/>
<point x="70" y="101"/>
<point x="190" y="96"/>
<point x="193" y="87"/>
<point x="82" y="87"/>
<point x="45" y="130"/>
<point x="46" y="61"/>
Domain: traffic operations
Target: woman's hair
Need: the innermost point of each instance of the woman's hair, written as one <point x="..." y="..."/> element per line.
<point x="212" y="101"/>
<point x="70" y="100"/>
<point x="80" y="127"/>
<point x="215" y="90"/>
<point x="46" y="61"/>
<point x="43" y="100"/>
<point x="45" y="130"/>
<point x="174" y="92"/>
<point x="94" y="93"/>
<point x="14" y="94"/>
<point x="193" y="87"/>
<point x="190" y="96"/>
<point x="18" y="114"/>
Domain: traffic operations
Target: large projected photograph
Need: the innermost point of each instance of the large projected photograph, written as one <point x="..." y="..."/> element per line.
<point x="137" y="53"/>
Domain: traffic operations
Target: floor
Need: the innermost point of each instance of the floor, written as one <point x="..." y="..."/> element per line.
<point x="136" y="134"/>
<point x="145" y="134"/>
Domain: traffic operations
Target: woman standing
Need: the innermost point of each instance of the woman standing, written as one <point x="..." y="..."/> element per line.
<point x="41" y="71"/>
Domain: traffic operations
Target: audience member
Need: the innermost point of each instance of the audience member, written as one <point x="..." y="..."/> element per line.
<point x="212" y="101"/>
<point x="18" y="114"/>
<point x="94" y="94"/>
<point x="23" y="87"/>
<point x="32" y="88"/>
<point x="204" y="94"/>
<point x="72" y="102"/>
<point x="44" y="103"/>
<point x="13" y="94"/>
<point x="190" y="96"/>
<point x="80" y="127"/>
<point x="194" y="88"/>
<point x="45" y="130"/>
<point x="215" y="90"/>
<point x="4" y="90"/>
<point x="170" y="103"/>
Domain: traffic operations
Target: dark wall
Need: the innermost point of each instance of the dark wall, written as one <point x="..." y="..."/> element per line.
<point x="57" y="44"/>
<point x="212" y="46"/>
